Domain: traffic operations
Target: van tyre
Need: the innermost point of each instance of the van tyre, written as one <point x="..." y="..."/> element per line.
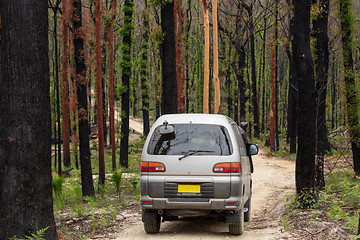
<point x="247" y="214"/>
<point x="153" y="227"/>
<point x="238" y="228"/>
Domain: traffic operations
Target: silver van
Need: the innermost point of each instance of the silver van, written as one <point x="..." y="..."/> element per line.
<point x="196" y="165"/>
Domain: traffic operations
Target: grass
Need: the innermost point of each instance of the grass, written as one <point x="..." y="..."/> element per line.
<point x="341" y="199"/>
<point x="101" y="211"/>
<point x="286" y="223"/>
<point x="283" y="152"/>
<point x="339" y="202"/>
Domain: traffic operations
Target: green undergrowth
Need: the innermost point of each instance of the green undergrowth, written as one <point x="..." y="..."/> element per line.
<point x="339" y="201"/>
<point x="39" y="235"/>
<point x="121" y="189"/>
<point x="283" y="150"/>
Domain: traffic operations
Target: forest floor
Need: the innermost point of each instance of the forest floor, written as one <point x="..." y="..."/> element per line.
<point x="273" y="188"/>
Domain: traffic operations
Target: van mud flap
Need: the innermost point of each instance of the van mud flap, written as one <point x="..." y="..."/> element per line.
<point x="233" y="217"/>
<point x="149" y="216"/>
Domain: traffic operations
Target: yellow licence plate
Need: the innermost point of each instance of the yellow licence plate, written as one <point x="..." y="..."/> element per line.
<point x="189" y="188"/>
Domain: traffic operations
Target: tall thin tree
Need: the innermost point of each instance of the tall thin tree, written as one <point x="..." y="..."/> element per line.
<point x="125" y="32"/>
<point x="169" y="102"/>
<point x="347" y="21"/>
<point x="206" y="56"/>
<point x="249" y="8"/>
<point x="65" y="83"/>
<point x="273" y="109"/>
<point x="305" y="158"/>
<point x="111" y="85"/>
<point x="293" y="93"/>
<point x="25" y="121"/>
<point x="81" y="85"/>
<point x="216" y="58"/>
<point x="321" y="48"/>
<point x="144" y="71"/>
<point x="178" y="22"/>
<point x="99" y="98"/>
<point x="56" y="7"/>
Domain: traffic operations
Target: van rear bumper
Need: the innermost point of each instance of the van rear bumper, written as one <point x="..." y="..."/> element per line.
<point x="232" y="203"/>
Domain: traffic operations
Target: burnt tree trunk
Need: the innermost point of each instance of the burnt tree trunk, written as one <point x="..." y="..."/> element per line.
<point x="305" y="159"/>
<point x="25" y="125"/>
<point x="263" y="73"/>
<point x="81" y="86"/>
<point x="169" y="102"/>
<point x="320" y="34"/>
<point x="292" y="95"/>
<point x="242" y="84"/>
<point x="126" y="73"/>
<point x="333" y="94"/>
<point x="273" y="108"/>
<point x="103" y="83"/>
<point x="65" y="85"/>
<point x="99" y="97"/>
<point x="352" y="102"/>
<point x="144" y="72"/>
<point x="111" y="87"/>
<point x="254" y="99"/>
<point x="57" y="129"/>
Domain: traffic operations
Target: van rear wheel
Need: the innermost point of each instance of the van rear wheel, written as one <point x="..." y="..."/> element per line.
<point x="236" y="228"/>
<point x="152" y="226"/>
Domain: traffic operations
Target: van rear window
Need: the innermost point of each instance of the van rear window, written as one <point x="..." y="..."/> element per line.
<point x="204" y="139"/>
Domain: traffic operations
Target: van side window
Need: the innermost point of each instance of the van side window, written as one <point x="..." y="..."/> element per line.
<point x="239" y="139"/>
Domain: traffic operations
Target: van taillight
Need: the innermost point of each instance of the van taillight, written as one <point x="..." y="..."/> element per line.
<point x="227" y="168"/>
<point x="152" y="167"/>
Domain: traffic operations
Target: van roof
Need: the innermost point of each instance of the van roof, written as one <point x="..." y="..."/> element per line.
<point x="195" y="118"/>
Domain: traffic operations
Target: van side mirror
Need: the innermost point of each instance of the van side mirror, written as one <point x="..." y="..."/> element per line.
<point x="244" y="125"/>
<point x="167" y="132"/>
<point x="253" y="149"/>
<point x="166" y="129"/>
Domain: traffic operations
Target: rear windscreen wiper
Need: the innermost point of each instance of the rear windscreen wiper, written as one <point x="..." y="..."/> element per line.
<point x="192" y="152"/>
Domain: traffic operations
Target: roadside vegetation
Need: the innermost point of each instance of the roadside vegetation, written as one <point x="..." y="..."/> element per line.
<point x="336" y="212"/>
<point x="78" y="217"/>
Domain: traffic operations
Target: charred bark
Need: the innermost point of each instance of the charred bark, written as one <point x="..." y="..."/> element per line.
<point x="293" y="95"/>
<point x="81" y="86"/>
<point x="320" y="27"/>
<point x="99" y="98"/>
<point x="144" y="72"/>
<point x="65" y="85"/>
<point x="57" y="129"/>
<point x="273" y="108"/>
<point x="305" y="159"/>
<point x="254" y="99"/>
<point x="126" y="70"/>
<point x="169" y="102"/>
<point x="111" y="87"/>
<point x="25" y="121"/>
<point x="352" y="102"/>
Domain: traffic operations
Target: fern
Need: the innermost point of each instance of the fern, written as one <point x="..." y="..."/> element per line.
<point x="116" y="177"/>
<point x="39" y="235"/>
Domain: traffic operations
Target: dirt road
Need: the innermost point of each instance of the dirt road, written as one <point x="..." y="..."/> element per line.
<point x="273" y="179"/>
